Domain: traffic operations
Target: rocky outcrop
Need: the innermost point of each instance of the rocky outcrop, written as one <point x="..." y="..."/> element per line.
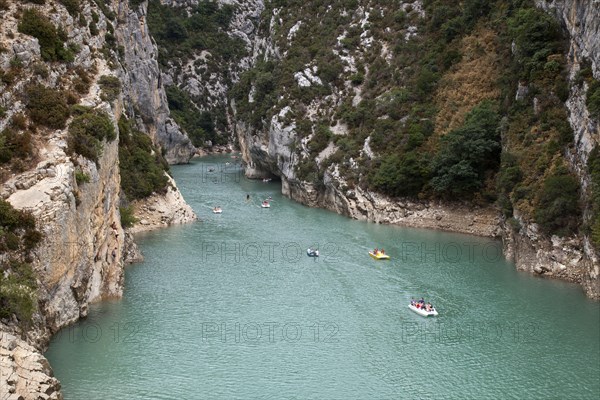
<point x="131" y="251"/>
<point x="374" y="207"/>
<point x="162" y="210"/>
<point x="24" y="372"/>
<point x="143" y="86"/>
<point x="267" y="154"/>
<point x="569" y="258"/>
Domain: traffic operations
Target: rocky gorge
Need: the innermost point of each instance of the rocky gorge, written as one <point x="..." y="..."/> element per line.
<point x="85" y="247"/>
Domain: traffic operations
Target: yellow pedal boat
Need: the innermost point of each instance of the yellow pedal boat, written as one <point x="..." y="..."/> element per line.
<point x="379" y="255"/>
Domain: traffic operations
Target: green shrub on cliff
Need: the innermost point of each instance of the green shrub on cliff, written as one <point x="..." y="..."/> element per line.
<point x="140" y="163"/>
<point x="199" y="125"/>
<point x="467" y="153"/>
<point x="401" y="175"/>
<point x="51" y="40"/>
<point x="111" y="87"/>
<point x="537" y="35"/>
<point x="15" y="145"/>
<point x="127" y="217"/>
<point x="87" y="131"/>
<point x="47" y="106"/>
<point x="72" y="6"/>
<point x="18" y="236"/>
<point x="17" y="290"/>
<point x="558" y="209"/>
<point x="593" y="99"/>
<point x="593" y="166"/>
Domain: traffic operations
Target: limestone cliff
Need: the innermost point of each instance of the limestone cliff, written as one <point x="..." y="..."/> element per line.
<point x="75" y="200"/>
<point x="574" y="258"/>
<point x="205" y="73"/>
<point x="143" y="84"/>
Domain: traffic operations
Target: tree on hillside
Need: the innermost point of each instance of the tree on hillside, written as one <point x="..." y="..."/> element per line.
<point x="467" y="153"/>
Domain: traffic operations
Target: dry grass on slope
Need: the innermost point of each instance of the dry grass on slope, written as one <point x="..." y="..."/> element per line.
<point x="469" y="82"/>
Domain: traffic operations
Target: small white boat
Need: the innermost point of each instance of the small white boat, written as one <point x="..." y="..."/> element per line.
<point x="423" y="312"/>
<point x="265" y="180"/>
<point x="217" y="210"/>
<point x="265" y="204"/>
<point x="312" y="253"/>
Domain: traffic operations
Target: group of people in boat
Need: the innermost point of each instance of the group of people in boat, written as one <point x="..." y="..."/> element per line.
<point x="378" y="251"/>
<point x="312" y="252"/>
<point x="421" y="304"/>
<point x="266" y="201"/>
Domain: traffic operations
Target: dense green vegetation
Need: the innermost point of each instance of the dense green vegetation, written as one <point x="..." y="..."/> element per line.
<point x="18" y="236"/>
<point x="47" y="106"/>
<point x="594" y="171"/>
<point x="87" y="132"/>
<point x="183" y="35"/>
<point x="141" y="165"/>
<point x="468" y="153"/>
<point x="198" y="125"/>
<point x="593" y="98"/>
<point x="558" y="209"/>
<point x="52" y="40"/>
<point x="180" y="35"/>
<point x="111" y="87"/>
<point x="72" y="6"/>
<point x="127" y="217"/>
<point x="434" y="132"/>
<point x="15" y="147"/>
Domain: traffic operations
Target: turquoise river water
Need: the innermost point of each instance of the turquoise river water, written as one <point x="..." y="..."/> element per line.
<point x="232" y="308"/>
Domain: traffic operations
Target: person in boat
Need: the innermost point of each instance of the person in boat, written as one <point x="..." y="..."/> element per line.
<point x="376" y="250"/>
<point x="382" y="251"/>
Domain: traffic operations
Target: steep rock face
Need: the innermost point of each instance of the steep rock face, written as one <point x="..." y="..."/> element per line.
<point x="78" y="262"/>
<point x="268" y="154"/>
<point x="144" y="87"/>
<point x="574" y="258"/>
<point x="25" y="373"/>
<point x="80" y="259"/>
<point x="206" y="77"/>
<point x="582" y="21"/>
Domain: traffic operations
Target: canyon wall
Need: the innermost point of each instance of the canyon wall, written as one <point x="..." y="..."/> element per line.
<point x="80" y="259"/>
